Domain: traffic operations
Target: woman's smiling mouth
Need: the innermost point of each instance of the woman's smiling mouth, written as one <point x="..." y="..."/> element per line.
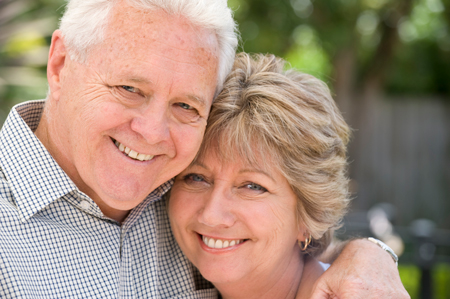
<point x="219" y="243"/>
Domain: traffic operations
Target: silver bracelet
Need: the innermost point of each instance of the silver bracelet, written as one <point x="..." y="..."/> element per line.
<point x="386" y="248"/>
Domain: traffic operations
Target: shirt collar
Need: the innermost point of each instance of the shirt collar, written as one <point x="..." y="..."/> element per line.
<point x="35" y="178"/>
<point x="157" y="194"/>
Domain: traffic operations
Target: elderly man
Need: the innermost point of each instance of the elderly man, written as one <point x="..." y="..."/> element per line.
<point x="131" y="84"/>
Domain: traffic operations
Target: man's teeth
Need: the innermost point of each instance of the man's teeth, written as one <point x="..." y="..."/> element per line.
<point x="218" y="243"/>
<point x="132" y="154"/>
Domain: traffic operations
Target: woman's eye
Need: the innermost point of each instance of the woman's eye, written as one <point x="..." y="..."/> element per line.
<point x="197" y="178"/>
<point x="194" y="178"/>
<point x="130" y="88"/>
<point x="255" y="187"/>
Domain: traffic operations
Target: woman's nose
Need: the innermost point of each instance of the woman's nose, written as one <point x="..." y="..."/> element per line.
<point x="217" y="210"/>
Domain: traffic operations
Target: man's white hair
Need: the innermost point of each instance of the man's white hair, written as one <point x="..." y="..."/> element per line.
<point x="84" y="22"/>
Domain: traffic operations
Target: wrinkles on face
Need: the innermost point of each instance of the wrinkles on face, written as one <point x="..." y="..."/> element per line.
<point x="280" y="212"/>
<point x="200" y="46"/>
<point x="93" y="94"/>
<point x="137" y="87"/>
<point x="152" y="74"/>
<point x="262" y="206"/>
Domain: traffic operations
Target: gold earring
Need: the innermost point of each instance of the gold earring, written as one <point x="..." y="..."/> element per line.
<point x="306" y="243"/>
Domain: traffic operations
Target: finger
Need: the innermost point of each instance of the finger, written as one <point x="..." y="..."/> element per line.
<point x="321" y="290"/>
<point x="320" y="294"/>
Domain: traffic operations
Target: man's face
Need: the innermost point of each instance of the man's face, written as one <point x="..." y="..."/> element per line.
<point x="134" y="115"/>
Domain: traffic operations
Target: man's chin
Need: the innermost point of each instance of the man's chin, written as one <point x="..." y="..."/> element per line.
<point x="115" y="205"/>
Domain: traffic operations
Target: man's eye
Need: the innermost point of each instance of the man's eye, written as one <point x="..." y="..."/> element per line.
<point x="130" y="88"/>
<point x="255" y="187"/>
<point x="185" y="106"/>
<point x="186" y="113"/>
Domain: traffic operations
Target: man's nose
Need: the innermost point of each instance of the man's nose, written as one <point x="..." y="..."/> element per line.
<point x="217" y="210"/>
<point x="153" y="122"/>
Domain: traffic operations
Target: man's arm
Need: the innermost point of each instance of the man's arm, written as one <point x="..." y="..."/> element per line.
<point x="362" y="270"/>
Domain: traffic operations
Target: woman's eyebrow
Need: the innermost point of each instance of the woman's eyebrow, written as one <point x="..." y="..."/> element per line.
<point x="198" y="163"/>
<point x="257" y="171"/>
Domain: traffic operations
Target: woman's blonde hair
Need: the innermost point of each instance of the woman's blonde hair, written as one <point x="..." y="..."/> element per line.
<point x="272" y="117"/>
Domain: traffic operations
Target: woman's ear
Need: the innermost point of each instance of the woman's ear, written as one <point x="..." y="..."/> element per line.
<point x="56" y="61"/>
<point x="304" y="239"/>
<point x="302" y="231"/>
<point x="302" y="235"/>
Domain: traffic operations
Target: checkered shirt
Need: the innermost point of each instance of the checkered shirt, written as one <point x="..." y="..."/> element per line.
<point x="56" y="243"/>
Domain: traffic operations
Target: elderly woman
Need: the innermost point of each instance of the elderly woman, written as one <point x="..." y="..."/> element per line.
<point x="269" y="185"/>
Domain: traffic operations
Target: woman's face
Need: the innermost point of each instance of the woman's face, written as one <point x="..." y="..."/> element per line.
<point x="235" y="222"/>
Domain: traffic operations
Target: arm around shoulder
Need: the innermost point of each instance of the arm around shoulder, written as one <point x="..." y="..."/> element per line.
<point x="361" y="269"/>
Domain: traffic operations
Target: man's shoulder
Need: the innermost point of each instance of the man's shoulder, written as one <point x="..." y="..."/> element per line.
<point x="29" y="112"/>
<point x="34" y="178"/>
<point x="21" y="122"/>
<point x="9" y="214"/>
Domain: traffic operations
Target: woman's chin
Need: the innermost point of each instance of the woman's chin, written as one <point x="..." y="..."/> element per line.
<point x="220" y="277"/>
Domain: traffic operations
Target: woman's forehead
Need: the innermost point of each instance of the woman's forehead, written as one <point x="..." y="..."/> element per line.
<point x="249" y="157"/>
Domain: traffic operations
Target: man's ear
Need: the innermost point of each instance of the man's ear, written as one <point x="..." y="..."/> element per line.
<point x="56" y="61"/>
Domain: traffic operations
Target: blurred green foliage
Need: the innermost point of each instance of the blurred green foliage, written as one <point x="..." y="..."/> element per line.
<point x="311" y="35"/>
<point x="441" y="277"/>
<point x="410" y="276"/>
<point x="25" y="32"/>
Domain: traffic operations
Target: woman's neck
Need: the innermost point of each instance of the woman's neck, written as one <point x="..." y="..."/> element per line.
<point x="295" y="283"/>
<point x="311" y="272"/>
<point x="284" y="284"/>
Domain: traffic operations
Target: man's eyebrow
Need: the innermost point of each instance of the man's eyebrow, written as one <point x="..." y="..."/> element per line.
<point x="201" y="101"/>
<point x="139" y="80"/>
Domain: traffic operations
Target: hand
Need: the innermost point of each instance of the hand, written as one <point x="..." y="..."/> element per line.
<point x="362" y="271"/>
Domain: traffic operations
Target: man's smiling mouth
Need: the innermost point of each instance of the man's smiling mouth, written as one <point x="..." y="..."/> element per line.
<point x="132" y="153"/>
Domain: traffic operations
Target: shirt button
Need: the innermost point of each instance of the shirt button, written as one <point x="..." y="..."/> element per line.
<point x="85" y="205"/>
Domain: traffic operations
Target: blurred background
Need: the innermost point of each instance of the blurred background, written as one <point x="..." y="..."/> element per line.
<point x="387" y="63"/>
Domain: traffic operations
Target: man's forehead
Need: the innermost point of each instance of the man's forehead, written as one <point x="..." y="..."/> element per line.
<point x="161" y="38"/>
<point x="160" y="27"/>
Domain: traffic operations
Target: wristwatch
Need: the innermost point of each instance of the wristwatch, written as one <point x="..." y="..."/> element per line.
<point x="386" y="248"/>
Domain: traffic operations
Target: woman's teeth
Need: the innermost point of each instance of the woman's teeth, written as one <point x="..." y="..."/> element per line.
<point x="218" y="243"/>
<point x="131" y="153"/>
